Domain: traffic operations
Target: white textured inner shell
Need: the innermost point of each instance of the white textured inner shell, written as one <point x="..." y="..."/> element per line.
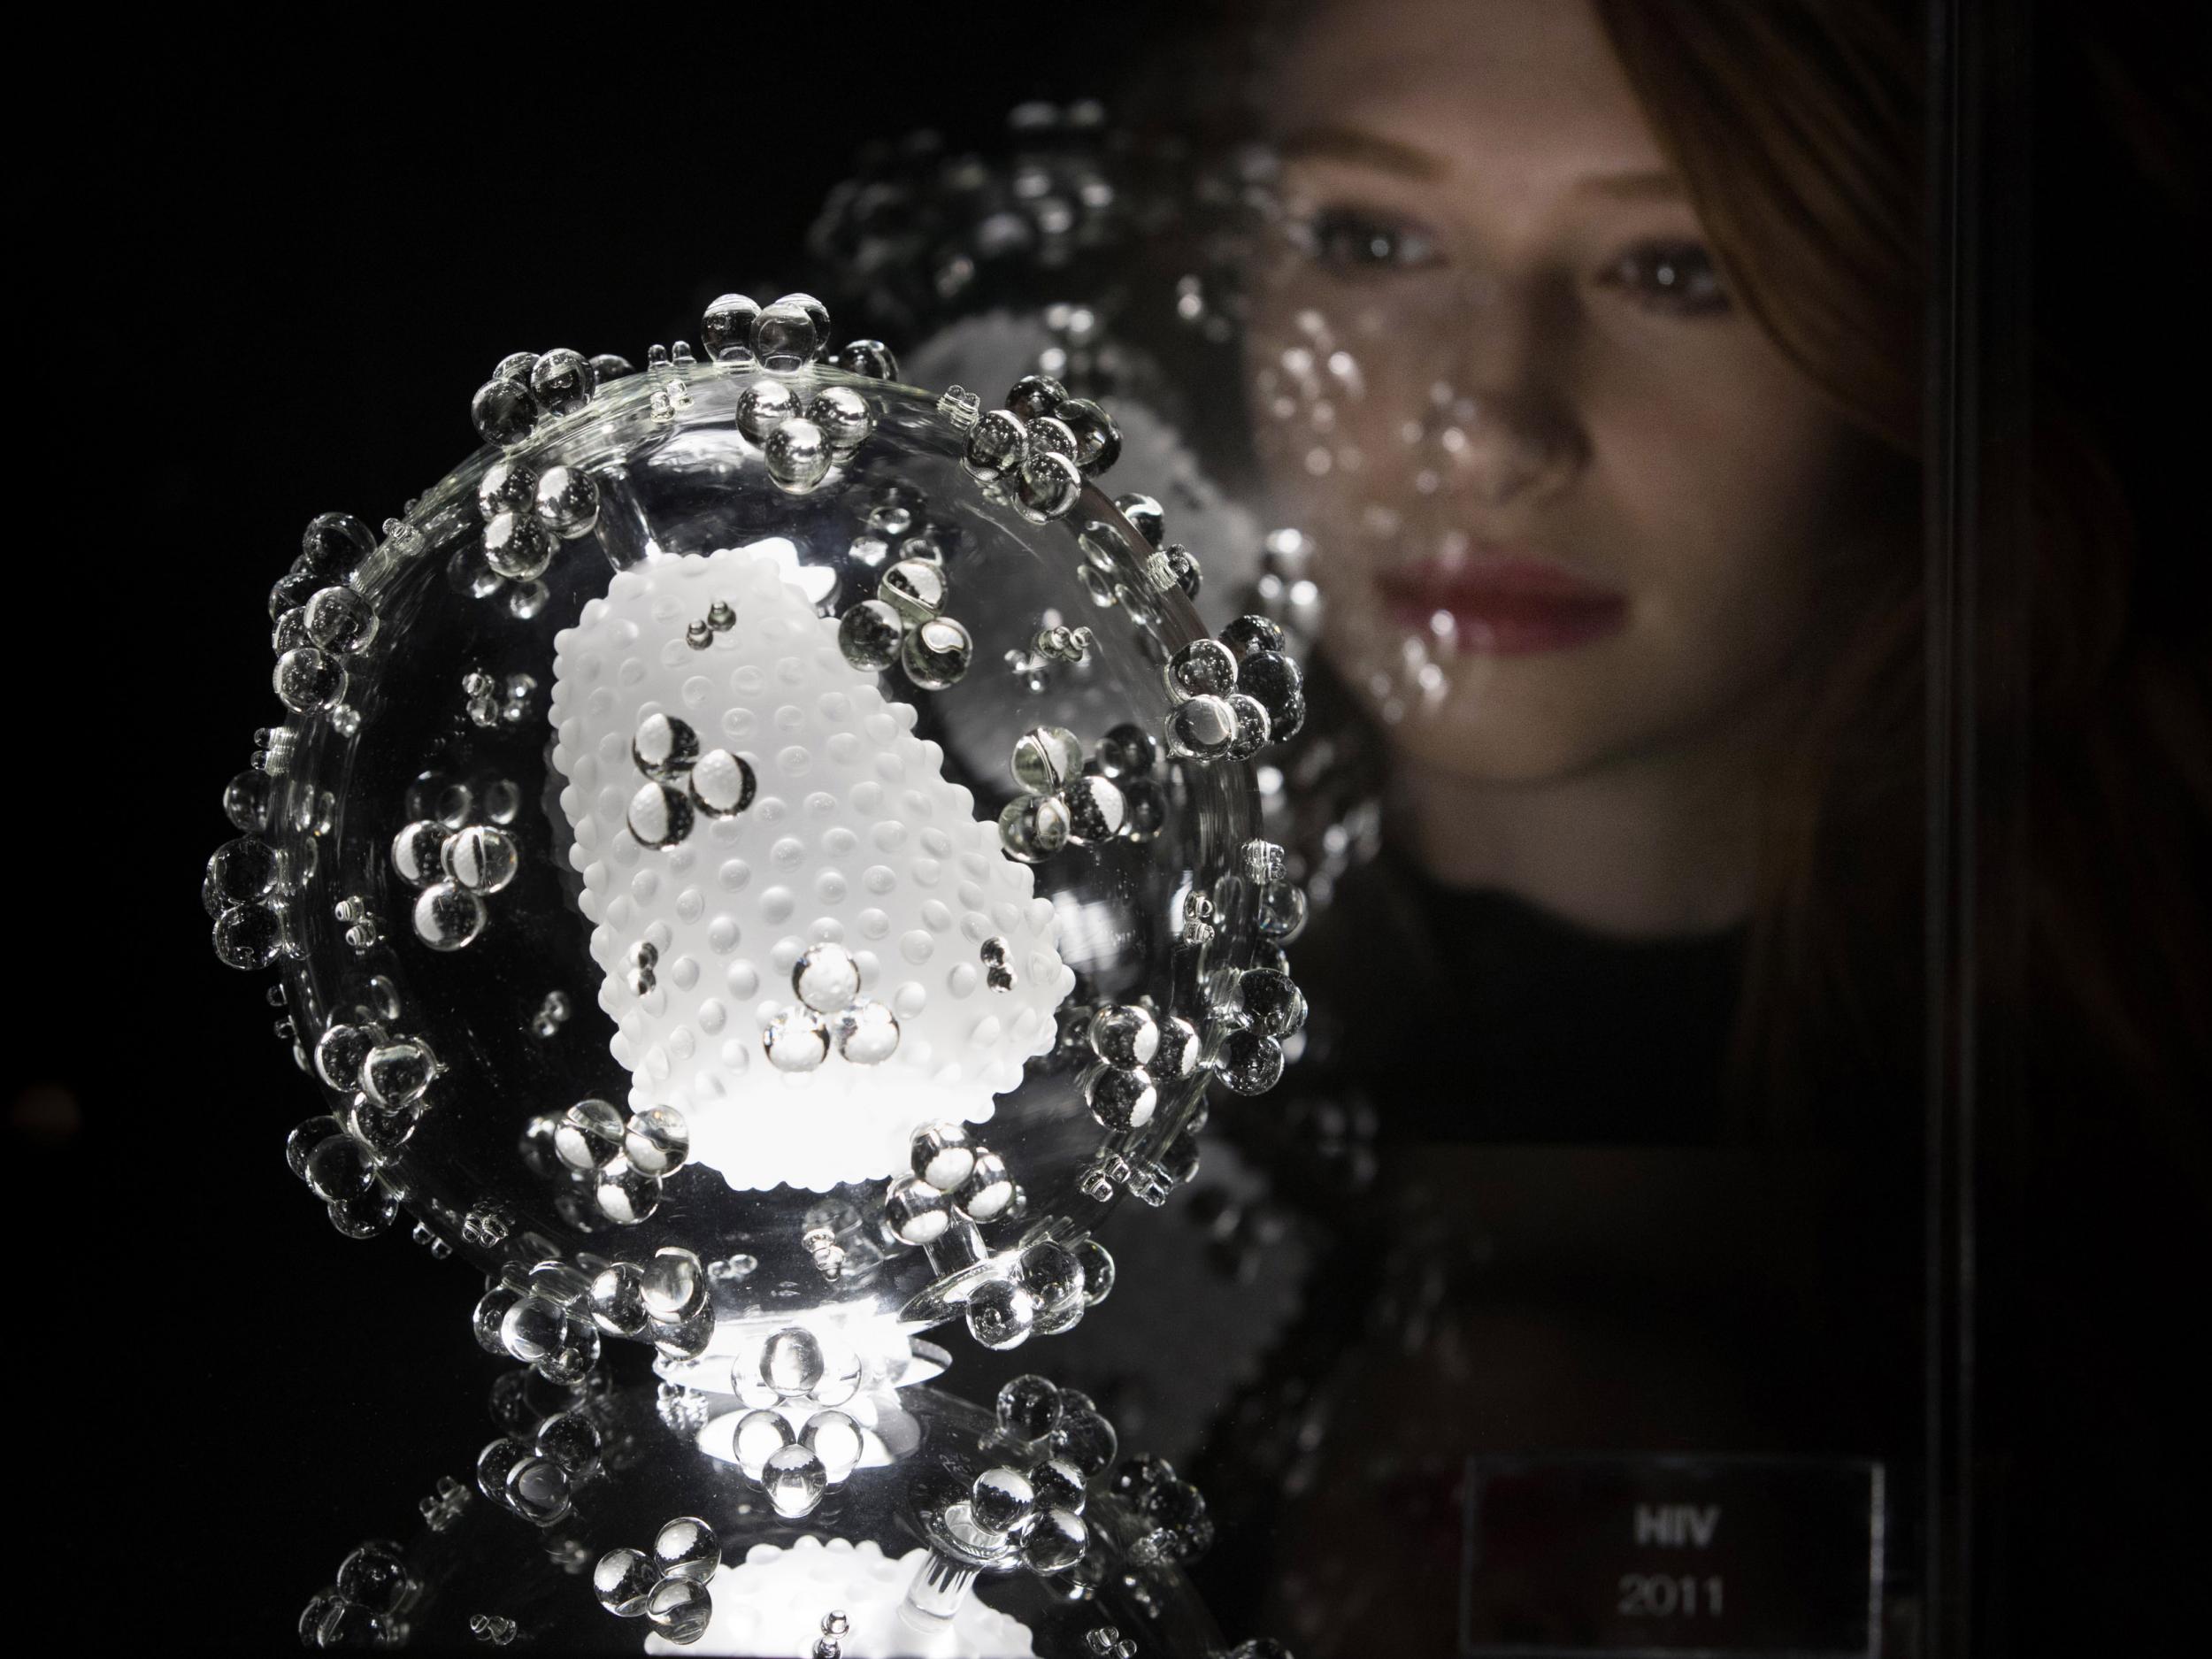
<point x="773" y="1602"/>
<point x="854" y="836"/>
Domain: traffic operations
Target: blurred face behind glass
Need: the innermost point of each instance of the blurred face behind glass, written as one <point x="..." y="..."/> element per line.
<point x="1572" y="506"/>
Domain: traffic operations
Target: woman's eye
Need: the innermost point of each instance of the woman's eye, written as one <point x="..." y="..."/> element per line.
<point x="1355" y="241"/>
<point x="1679" y="278"/>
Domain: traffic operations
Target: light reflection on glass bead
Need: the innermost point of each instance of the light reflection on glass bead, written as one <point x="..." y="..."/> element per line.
<point x="797" y="1040"/>
<point x="1034" y="396"/>
<point x="1049" y="435"/>
<point x="1272" y="998"/>
<point x="533" y="1327"/>
<point x="759" y="1435"/>
<point x="1094" y="808"/>
<point x="563" y="381"/>
<point x="1045" y="757"/>
<point x="997" y="444"/>
<point x="1249" y="635"/>
<point x="915" y="1212"/>
<point x="1145" y="515"/>
<point x="374" y="1576"/>
<point x="791" y="1361"/>
<point x="365" y="1215"/>
<point x="243" y="869"/>
<point x="1098" y="1271"/>
<point x="1252" y="726"/>
<point x="1183" y="566"/>
<point x="626" y="1194"/>
<point x="1051" y="1274"/>
<point x="659" y="816"/>
<point x="1176" y="1054"/>
<point x="448" y="916"/>
<point x="589" y="1135"/>
<point x="664" y="747"/>
<point x="504" y="411"/>
<point x="786" y="336"/>
<point x="567" y="501"/>
<point x="1272" y="677"/>
<point x="1034" y="827"/>
<point x="937" y="653"/>
<point x="334" y="542"/>
<point x="1121" y="1097"/>
<point x="1001" y="1499"/>
<point x="836" y="1438"/>
<point x="1201" y="728"/>
<point x="1048" y="487"/>
<point x="725" y="332"/>
<point x="1282" y="910"/>
<point x="339" y="619"/>
<point x="915" y="588"/>
<point x="1097" y="439"/>
<point x="516" y="546"/>
<point x="871" y="357"/>
<point x="338" y="1169"/>
<point x="1205" y="668"/>
<point x="764" y="406"/>
<point x="481" y="858"/>
<point x="1028" y="1407"/>
<point x="509" y="484"/>
<point x="842" y="414"/>
<point x="656" y="1141"/>
<point x="1000" y="1313"/>
<point x="246" y="800"/>
<point x="721" y="783"/>
<point x="538" y="1489"/>
<point x="1125" y="1035"/>
<point x="617" y="1300"/>
<point x="1251" y="1061"/>
<point x="1053" y="1541"/>
<point x="307" y="679"/>
<point x="248" y="935"/>
<point x="798" y="455"/>
<point x="867" y="1032"/>
<point x="622" y="1580"/>
<point x="688" y="1548"/>
<point x="870" y="635"/>
<point x="674" y="1284"/>
<point x="794" y="1480"/>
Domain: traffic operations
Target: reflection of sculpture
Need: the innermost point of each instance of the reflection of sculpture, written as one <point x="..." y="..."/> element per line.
<point x="937" y="1529"/>
<point x="1117" y="262"/>
<point x="677" y="705"/>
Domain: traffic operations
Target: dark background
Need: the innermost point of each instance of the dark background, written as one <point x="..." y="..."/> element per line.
<point x="260" y="275"/>
<point x="271" y="273"/>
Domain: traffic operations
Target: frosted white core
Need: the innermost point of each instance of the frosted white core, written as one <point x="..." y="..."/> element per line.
<point x="855" y="836"/>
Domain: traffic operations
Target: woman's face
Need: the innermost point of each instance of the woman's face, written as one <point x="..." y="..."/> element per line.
<point x="1572" y="506"/>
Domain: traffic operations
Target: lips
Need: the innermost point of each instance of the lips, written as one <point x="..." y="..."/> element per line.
<point x="1506" y="607"/>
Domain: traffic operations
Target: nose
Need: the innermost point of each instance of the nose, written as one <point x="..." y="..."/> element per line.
<point x="1505" y="419"/>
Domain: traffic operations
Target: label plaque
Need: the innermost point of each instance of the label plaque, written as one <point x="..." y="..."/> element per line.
<point x="1613" y="1557"/>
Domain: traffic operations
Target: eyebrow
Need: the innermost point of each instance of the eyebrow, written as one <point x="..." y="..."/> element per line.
<point x="1359" y="149"/>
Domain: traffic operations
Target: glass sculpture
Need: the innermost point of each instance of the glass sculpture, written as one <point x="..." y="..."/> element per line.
<point x="761" y="856"/>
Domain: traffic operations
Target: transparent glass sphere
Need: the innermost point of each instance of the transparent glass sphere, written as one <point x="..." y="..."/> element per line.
<point x="734" y="859"/>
